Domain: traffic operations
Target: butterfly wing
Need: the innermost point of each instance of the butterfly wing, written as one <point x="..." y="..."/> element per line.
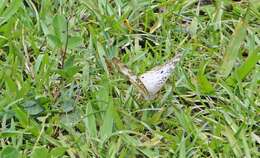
<point x="154" y="79"/>
<point x="131" y="76"/>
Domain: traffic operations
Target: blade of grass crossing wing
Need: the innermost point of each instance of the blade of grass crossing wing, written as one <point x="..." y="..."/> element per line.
<point x="232" y="50"/>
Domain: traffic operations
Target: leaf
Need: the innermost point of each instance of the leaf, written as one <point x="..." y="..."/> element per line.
<point x="11" y="86"/>
<point x="58" y="152"/>
<point x="9" y="133"/>
<point x="32" y="107"/>
<point x="232" y="141"/>
<point x="22" y="116"/>
<point x="232" y="50"/>
<point x="157" y="25"/>
<point x="108" y="121"/>
<point x="10" y="11"/>
<point x="150" y="152"/>
<point x="193" y="27"/>
<point x="182" y="153"/>
<point x="90" y="121"/>
<point x="10" y="152"/>
<point x="69" y="62"/>
<point x="101" y="54"/>
<point x="2" y="5"/>
<point x="38" y="63"/>
<point x="69" y="72"/>
<point x="74" y="42"/>
<point x="40" y="152"/>
<point x="68" y="104"/>
<point x="54" y="41"/>
<point x="69" y="69"/>
<point x="242" y="71"/>
<point x="203" y="83"/>
<point x="25" y="121"/>
<point x="70" y="119"/>
<point x="218" y="15"/>
<point x="60" y="27"/>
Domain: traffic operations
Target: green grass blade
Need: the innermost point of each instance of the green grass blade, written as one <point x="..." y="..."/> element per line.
<point x="245" y="68"/>
<point x="233" y="142"/>
<point x="232" y="51"/>
<point x="10" y="11"/>
<point x="90" y="121"/>
<point x="107" y="126"/>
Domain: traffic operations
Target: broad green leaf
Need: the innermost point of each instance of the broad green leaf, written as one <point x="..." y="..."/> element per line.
<point x="69" y="62"/>
<point x="22" y="116"/>
<point x="70" y="69"/>
<point x="25" y="121"/>
<point x="68" y="104"/>
<point x="10" y="152"/>
<point x="58" y="152"/>
<point x="60" y="27"/>
<point x="40" y="152"/>
<point x="69" y="72"/>
<point x="204" y="85"/>
<point x="150" y="152"/>
<point x="232" y="50"/>
<point x="70" y="119"/>
<point x="74" y="42"/>
<point x="54" y="41"/>
<point x="32" y="107"/>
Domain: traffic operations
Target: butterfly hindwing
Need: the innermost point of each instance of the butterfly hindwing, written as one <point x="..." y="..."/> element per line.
<point x="130" y="75"/>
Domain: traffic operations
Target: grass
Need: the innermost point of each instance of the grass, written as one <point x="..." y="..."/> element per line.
<point x="58" y="98"/>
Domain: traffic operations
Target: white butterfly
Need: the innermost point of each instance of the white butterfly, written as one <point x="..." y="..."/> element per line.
<point x="151" y="81"/>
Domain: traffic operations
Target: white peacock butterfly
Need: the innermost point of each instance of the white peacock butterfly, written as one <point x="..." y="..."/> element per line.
<point x="150" y="82"/>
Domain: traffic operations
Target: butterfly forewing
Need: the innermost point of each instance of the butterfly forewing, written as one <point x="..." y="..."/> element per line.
<point x="154" y="79"/>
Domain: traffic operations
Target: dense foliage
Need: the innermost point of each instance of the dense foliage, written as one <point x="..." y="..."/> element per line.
<point x="58" y="97"/>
